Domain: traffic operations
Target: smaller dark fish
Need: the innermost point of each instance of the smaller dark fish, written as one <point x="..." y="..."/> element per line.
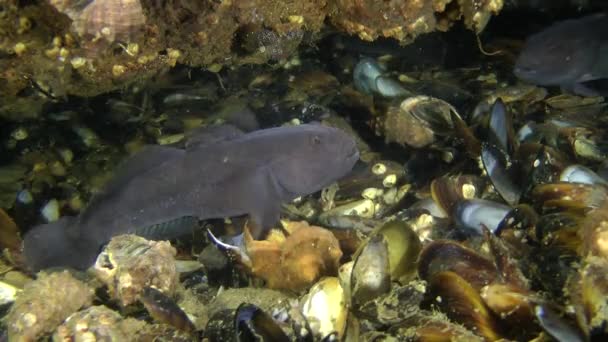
<point x="572" y="54"/>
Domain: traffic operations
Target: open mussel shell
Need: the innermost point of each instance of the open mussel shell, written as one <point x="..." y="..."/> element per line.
<point x="418" y="120"/>
<point x="370" y="275"/>
<point x="474" y="215"/>
<point x="403" y="247"/>
<point x="325" y="308"/>
<point x="390" y="254"/>
<point x="248" y="323"/>
<point x="495" y="163"/>
<point x="437" y="113"/>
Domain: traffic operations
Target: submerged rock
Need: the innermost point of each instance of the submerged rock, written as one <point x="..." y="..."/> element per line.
<point x="131" y="263"/>
<point x="44" y="304"/>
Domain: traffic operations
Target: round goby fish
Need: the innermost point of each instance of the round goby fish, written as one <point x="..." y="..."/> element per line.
<point x="224" y="173"/>
<point x="571" y="54"/>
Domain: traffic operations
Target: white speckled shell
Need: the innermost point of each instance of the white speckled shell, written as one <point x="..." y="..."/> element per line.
<point x="110" y="19"/>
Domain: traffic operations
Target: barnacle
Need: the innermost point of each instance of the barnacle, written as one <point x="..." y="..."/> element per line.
<point x="112" y="20"/>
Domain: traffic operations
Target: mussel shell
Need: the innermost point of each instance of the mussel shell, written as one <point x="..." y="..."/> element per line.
<point x="466" y="135"/>
<point x="325" y="308"/>
<point x="253" y="324"/>
<point x="403" y="247"/>
<point x="581" y="174"/>
<point x="365" y="74"/>
<point x="400" y="304"/>
<point x="501" y="127"/>
<point x="509" y="302"/>
<point x="558" y="228"/>
<point x="570" y="196"/>
<point x="521" y="217"/>
<point x="588" y="295"/>
<point x="9" y="232"/>
<point x="462" y="303"/>
<point x="432" y="327"/>
<point x="436" y="113"/>
<point x="373" y="175"/>
<point x="539" y="163"/>
<point x="445" y="255"/>
<point x="163" y="309"/>
<point x="476" y="214"/>
<point x="506" y="264"/>
<point x="556" y="326"/>
<point x="247" y="323"/>
<point x="370" y="275"/>
<point x="448" y="191"/>
<point x="495" y="164"/>
<point x="588" y="149"/>
<point x="428" y="205"/>
<point x="389" y="87"/>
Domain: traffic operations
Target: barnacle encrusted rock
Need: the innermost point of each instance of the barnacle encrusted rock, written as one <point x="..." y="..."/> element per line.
<point x="69" y="47"/>
<point x="98" y="323"/>
<point x="44" y="304"/>
<point x="130" y="263"/>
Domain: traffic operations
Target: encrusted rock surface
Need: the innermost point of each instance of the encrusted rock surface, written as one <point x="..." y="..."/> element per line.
<point x="34" y="315"/>
<point x="60" y="47"/>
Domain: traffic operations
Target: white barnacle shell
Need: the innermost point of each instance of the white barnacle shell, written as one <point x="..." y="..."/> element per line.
<point x="108" y="19"/>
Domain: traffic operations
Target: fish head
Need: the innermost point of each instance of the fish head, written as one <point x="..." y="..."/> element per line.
<point x="560" y="55"/>
<point x="49" y="245"/>
<point x="318" y="155"/>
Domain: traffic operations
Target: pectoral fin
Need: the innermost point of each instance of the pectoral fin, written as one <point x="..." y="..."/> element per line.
<point x="265" y="206"/>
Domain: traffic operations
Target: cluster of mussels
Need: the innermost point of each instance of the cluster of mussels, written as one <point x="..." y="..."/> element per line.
<point x="478" y="211"/>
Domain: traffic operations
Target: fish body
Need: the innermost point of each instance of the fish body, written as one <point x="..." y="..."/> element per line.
<point x="571" y="54"/>
<point x="221" y="174"/>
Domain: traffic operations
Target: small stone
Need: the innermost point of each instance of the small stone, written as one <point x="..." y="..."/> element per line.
<point x="20" y="49"/>
<point x="118" y="70"/>
<point x="78" y="62"/>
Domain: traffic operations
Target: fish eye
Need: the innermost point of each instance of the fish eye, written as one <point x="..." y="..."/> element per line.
<point x="315" y="140"/>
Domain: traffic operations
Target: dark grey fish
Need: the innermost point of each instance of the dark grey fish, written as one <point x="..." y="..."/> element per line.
<point x="214" y="177"/>
<point x="572" y="54"/>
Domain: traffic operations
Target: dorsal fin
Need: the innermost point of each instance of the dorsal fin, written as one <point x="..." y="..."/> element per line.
<point x="142" y="161"/>
<point x="205" y="136"/>
<point x="146" y="159"/>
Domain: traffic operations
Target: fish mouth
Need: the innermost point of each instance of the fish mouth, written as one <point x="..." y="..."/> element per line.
<point x="524" y="72"/>
<point x="353" y="153"/>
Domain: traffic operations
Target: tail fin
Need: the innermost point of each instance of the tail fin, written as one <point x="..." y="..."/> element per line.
<point x="48" y="245"/>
